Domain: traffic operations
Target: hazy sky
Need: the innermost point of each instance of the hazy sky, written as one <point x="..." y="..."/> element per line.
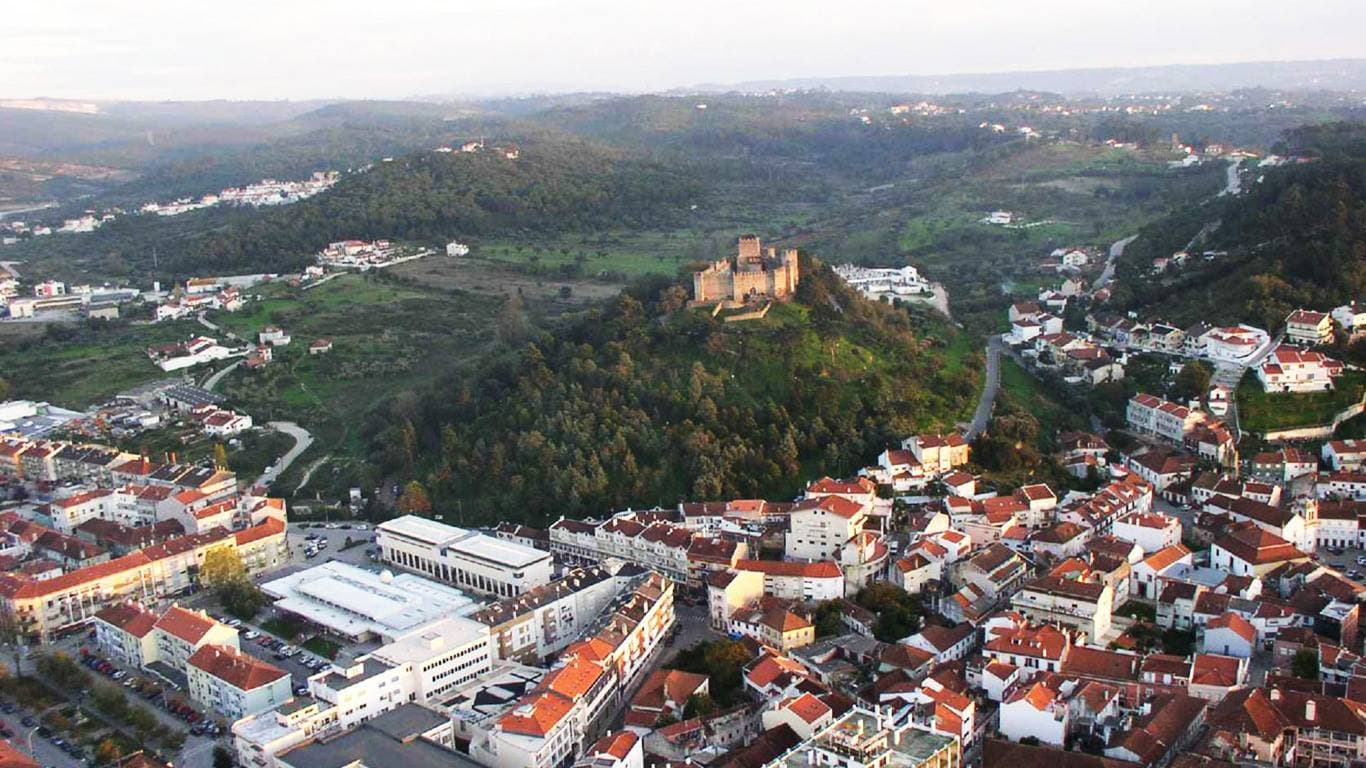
<point x="197" y="49"/>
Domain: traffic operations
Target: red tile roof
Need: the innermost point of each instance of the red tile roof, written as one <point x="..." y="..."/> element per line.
<point x="237" y="669"/>
<point x="824" y="569"/>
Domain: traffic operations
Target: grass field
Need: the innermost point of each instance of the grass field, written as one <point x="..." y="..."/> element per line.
<point x="79" y="366"/>
<point x="1259" y="411"/>
<point x="1028" y="392"/>
<point x="390" y="339"/>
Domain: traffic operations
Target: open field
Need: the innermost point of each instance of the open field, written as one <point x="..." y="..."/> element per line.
<point x="75" y="366"/>
<point x="1259" y="411"/>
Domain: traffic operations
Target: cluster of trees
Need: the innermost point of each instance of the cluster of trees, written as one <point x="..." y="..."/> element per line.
<point x="898" y="612"/>
<point x="721" y="660"/>
<point x="644" y="402"/>
<point x="223" y="572"/>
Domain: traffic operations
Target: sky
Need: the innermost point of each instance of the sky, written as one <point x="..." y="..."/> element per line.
<point x="294" y="49"/>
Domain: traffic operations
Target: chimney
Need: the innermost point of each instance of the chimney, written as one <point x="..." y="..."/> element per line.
<point x="1310" y="710"/>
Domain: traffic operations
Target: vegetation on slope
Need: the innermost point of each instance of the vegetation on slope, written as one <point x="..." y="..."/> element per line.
<point x="643" y="402"/>
<point x="1296" y="238"/>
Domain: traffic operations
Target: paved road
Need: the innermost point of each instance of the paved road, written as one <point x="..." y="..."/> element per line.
<point x="1116" y="250"/>
<point x="990" y="385"/>
<point x="207" y="323"/>
<point x="302" y="440"/>
<point x="212" y="382"/>
<point x="1234" y="184"/>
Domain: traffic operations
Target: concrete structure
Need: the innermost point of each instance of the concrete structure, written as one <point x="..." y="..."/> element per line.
<point x="233" y="683"/>
<point x="469" y="560"/>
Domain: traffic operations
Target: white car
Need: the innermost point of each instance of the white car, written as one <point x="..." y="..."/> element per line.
<point x="251" y="634"/>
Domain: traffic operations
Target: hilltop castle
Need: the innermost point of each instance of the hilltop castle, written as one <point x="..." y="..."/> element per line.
<point x="755" y="273"/>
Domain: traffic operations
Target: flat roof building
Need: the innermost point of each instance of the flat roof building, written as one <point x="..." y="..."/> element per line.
<point x="358" y="604"/>
<point x="467" y="559"/>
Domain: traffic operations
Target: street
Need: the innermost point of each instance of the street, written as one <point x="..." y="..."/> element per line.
<point x="991" y="383"/>
<point x="1116" y="250"/>
<point x="302" y="440"/>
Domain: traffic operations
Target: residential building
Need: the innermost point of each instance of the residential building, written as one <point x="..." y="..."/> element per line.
<point x="469" y="560"/>
<point x="235" y="684"/>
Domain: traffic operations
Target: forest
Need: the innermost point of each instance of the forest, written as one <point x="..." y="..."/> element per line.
<point x="644" y="401"/>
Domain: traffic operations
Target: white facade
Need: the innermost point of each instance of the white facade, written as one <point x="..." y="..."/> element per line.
<point x="469" y="560"/>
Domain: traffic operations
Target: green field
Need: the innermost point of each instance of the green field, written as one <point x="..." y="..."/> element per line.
<point x="78" y="366"/>
<point x="613" y="255"/>
<point x="1259" y="411"/>
<point x="390" y="339"/>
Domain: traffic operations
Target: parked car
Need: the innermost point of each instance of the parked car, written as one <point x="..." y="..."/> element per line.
<point x="251" y="634"/>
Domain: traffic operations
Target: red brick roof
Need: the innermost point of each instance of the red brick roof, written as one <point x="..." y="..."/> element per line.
<point x="185" y="624"/>
<point x="129" y="617"/>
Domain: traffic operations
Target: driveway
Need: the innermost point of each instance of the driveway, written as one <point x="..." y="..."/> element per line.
<point x="991" y="383"/>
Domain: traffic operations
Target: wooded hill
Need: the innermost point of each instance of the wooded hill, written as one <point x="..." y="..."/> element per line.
<point x="645" y="402"/>
<point x="554" y="186"/>
<point x="1296" y="238"/>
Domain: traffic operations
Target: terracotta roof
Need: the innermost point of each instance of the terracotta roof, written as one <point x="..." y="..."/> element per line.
<point x="536" y="714"/>
<point x="13" y="758"/>
<point x="1235" y="623"/>
<point x="1084" y="661"/>
<point x="824" y="569"/>
<point x="667" y="685"/>
<point x="943" y="638"/>
<point x="185" y="624"/>
<point x="1043" y="641"/>
<point x="834" y="505"/>
<point x="237" y="669"/>
<point x="271" y="526"/>
<point x="618" y="744"/>
<point x="1255" y="545"/>
<point x="809" y="708"/>
<point x="1057" y="585"/>
<point x="1213" y="669"/>
<point x="1004" y="754"/>
<point x="129" y="617"/>
<point x="1165" y="557"/>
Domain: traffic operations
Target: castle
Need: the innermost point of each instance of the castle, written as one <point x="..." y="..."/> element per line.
<point x="755" y="273"/>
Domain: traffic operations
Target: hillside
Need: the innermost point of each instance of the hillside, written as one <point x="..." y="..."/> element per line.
<point x="553" y="187"/>
<point x="1295" y="239"/>
<point x="643" y="402"/>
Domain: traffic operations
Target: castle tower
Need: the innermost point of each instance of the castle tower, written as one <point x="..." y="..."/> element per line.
<point x="751" y="250"/>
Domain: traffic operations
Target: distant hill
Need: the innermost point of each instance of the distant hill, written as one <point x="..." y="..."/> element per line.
<point x="643" y="402"/>
<point x="1334" y="74"/>
<point x="1295" y="238"/>
<point x="553" y="187"/>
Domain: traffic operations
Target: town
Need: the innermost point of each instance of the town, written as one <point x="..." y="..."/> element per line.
<point x="1194" y="607"/>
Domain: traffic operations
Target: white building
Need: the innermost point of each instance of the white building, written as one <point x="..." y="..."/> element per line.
<point x="354" y="603"/>
<point x="1292" y="370"/>
<point x="235" y="684"/>
<point x="1151" y="531"/>
<point x="469" y="560"/>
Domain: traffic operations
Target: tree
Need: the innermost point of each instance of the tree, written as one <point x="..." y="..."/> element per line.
<point x="829" y="619"/>
<point x="220" y="456"/>
<point x="414" y="500"/>
<point x="1192" y="381"/>
<point x="221" y="566"/>
<point x="222" y="758"/>
<point x="107" y="753"/>
<point x="699" y="705"/>
<point x="242" y="598"/>
<point x="4" y="389"/>
<point x="1305" y="664"/>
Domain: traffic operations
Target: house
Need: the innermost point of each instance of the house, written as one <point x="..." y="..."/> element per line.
<point x="1038" y="709"/>
<point x="664" y="693"/>
<point x="1309" y="328"/>
<point x="938" y="454"/>
<point x="1061" y="540"/>
<point x="1029" y="648"/>
<point x="320" y="346"/>
<point x="1151" y="415"/>
<point x="1169" y="724"/>
<point x="1151" y="531"/>
<point x="773" y="625"/>
<point x="1248" y="550"/>
<point x="1161" y="467"/>
<point x="1288" y="369"/>
<point x="274" y="336"/>
<point x="1344" y="454"/>
<point x="1083" y="605"/>
<point x="235" y="684"/>
<point x="804" y="713"/>
<point x="821" y="580"/>
<point x="1229" y="635"/>
<point x="1150" y="572"/>
<point x="946" y="643"/>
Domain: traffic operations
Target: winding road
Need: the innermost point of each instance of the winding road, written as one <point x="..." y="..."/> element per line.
<point x="1116" y="250"/>
<point x="991" y="384"/>
<point x="302" y="440"/>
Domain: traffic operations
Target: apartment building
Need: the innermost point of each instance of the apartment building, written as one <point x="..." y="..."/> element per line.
<point x="1083" y="605"/>
<point x="545" y="620"/>
<point x="1154" y="416"/>
<point x="789" y="580"/>
<point x="819" y="528"/>
<point x="471" y="561"/>
<point x="124" y="632"/>
<point x="233" y="683"/>
<point x="180" y="632"/>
